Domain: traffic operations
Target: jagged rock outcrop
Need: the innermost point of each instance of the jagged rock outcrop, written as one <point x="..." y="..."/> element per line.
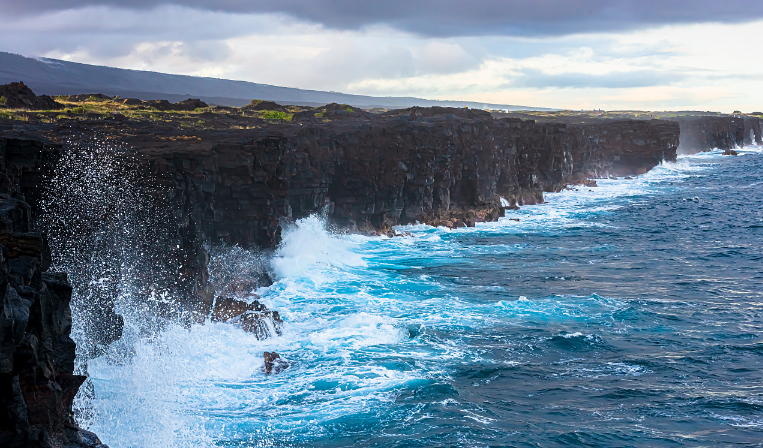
<point x="252" y="317"/>
<point x="164" y="105"/>
<point x="18" y="95"/>
<point x="273" y="363"/>
<point x="36" y="353"/>
<point x="329" y="112"/>
<point x="258" y="105"/>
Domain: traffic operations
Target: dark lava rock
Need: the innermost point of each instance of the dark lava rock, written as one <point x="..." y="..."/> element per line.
<point x="191" y="104"/>
<point x="253" y="317"/>
<point x="37" y="380"/>
<point x="367" y="173"/>
<point x="163" y="105"/>
<point x="590" y="183"/>
<point x="730" y="152"/>
<point x="185" y="105"/>
<point x="332" y="111"/>
<point x="133" y="102"/>
<point x="257" y="105"/>
<point x="87" y="97"/>
<point x="18" y="95"/>
<point x="274" y="363"/>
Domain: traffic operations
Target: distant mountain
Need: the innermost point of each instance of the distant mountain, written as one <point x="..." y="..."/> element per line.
<point x="56" y="77"/>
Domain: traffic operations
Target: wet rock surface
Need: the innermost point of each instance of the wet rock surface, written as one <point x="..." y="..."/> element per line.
<point x="36" y="353"/>
<point x="252" y="317"/>
<point x="273" y="363"/>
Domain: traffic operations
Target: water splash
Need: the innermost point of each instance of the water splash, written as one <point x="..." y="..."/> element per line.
<point x="237" y="272"/>
<point x="112" y="234"/>
<point x="309" y="244"/>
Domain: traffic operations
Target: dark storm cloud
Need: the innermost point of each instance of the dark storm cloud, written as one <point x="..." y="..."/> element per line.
<point x="456" y="17"/>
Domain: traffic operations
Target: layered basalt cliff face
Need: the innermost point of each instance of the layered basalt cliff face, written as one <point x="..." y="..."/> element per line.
<point x="436" y="166"/>
<point x="36" y="353"/>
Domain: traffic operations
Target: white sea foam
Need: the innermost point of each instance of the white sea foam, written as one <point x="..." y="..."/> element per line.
<point x="188" y="387"/>
<point x="309" y="244"/>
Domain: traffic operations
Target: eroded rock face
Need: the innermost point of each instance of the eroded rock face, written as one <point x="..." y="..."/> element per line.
<point x="706" y="133"/>
<point x="431" y="165"/>
<point x="18" y="95"/>
<point x="252" y="317"/>
<point x="36" y="353"/>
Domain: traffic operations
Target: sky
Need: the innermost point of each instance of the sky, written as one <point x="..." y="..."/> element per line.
<point x="571" y="54"/>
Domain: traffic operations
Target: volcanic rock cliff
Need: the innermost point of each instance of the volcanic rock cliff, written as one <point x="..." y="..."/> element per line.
<point x="704" y="133"/>
<point x="36" y="353"/>
<point x="367" y="173"/>
<point x="436" y="166"/>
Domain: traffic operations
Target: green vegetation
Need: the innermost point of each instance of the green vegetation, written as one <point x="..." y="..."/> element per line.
<point x="319" y="115"/>
<point x="276" y="115"/>
<point x="3" y="100"/>
<point x="349" y="109"/>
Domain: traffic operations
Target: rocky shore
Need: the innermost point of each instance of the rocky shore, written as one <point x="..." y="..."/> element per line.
<point x="36" y="353"/>
<point x="242" y="185"/>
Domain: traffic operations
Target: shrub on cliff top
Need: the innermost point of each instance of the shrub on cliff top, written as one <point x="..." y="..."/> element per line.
<point x="3" y="100"/>
<point x="276" y="115"/>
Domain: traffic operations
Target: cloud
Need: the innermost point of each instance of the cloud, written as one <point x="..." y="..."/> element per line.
<point x="443" y="18"/>
<point x="355" y="51"/>
<point x="533" y="78"/>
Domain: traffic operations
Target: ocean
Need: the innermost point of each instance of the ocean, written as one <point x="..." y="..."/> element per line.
<point x="628" y="314"/>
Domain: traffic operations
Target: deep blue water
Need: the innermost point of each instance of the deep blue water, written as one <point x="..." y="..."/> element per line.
<point x="630" y="314"/>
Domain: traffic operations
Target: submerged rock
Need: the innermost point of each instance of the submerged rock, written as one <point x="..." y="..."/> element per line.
<point x="730" y="152"/>
<point x="252" y="317"/>
<point x="274" y="363"/>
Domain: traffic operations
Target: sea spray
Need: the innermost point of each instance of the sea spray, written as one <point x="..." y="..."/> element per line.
<point x="193" y="386"/>
<point x="308" y="244"/>
<point x="112" y="234"/>
<point x="237" y="272"/>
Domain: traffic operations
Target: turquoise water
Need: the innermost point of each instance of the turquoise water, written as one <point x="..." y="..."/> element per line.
<point x="630" y="314"/>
